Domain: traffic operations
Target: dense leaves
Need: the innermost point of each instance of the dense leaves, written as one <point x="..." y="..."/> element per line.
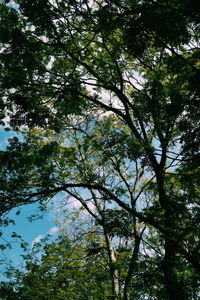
<point x="106" y="95"/>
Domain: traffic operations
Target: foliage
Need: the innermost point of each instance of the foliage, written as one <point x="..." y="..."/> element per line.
<point x="74" y="265"/>
<point x="107" y="97"/>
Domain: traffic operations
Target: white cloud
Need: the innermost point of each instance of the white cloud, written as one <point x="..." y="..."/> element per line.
<point x="53" y="230"/>
<point x="36" y="240"/>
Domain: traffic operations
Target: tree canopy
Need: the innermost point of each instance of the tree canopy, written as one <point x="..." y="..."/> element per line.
<point x="106" y="96"/>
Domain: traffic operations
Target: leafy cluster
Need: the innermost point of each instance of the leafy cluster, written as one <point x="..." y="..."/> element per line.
<point x="105" y="95"/>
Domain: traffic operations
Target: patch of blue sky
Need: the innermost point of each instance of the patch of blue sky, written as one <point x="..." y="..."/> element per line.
<point x="4" y="136"/>
<point x="33" y="232"/>
<point x="30" y="231"/>
<point x="13" y="5"/>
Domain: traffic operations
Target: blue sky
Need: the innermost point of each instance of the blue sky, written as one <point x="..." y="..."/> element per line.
<point x="30" y="231"/>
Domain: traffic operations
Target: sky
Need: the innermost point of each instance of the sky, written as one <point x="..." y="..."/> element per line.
<point x="30" y="231"/>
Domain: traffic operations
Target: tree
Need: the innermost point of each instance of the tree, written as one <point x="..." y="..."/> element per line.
<point x="79" y="264"/>
<point x="65" y="270"/>
<point x="107" y="96"/>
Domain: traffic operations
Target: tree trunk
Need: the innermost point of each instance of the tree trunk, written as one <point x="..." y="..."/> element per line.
<point x="113" y="269"/>
<point x="132" y="267"/>
<point x="175" y="290"/>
